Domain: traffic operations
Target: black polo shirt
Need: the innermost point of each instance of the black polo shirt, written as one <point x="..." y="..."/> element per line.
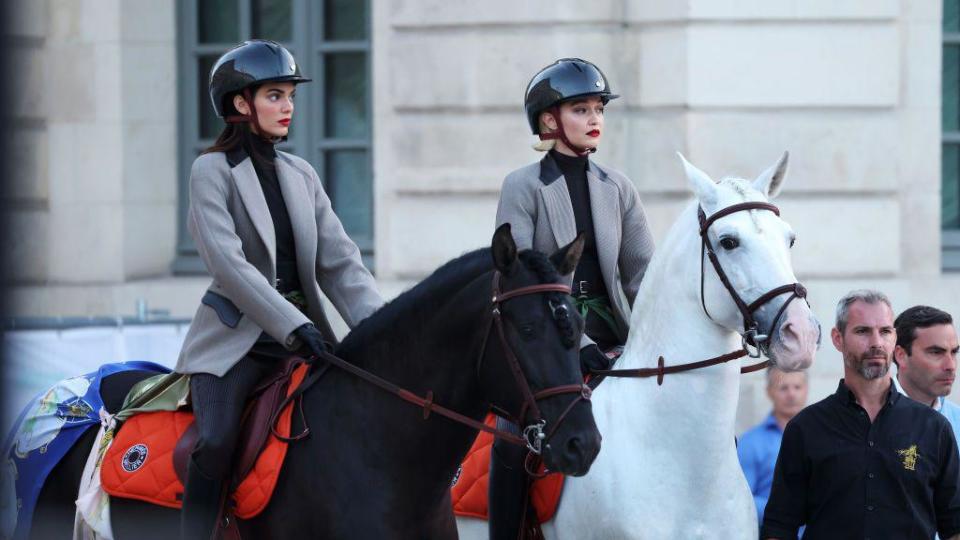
<point x="847" y="478"/>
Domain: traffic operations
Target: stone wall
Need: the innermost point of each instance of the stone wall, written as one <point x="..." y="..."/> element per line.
<point x="93" y="204"/>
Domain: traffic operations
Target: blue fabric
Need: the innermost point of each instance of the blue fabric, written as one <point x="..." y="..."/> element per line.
<point x="951" y="411"/>
<point x="46" y="430"/>
<point x="757" y="450"/>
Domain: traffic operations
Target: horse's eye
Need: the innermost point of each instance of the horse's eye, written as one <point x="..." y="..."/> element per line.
<point x="526" y="330"/>
<point x="729" y="243"/>
<point x="793" y="240"/>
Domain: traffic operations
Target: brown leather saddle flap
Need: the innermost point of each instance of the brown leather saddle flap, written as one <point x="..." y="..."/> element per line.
<point x="255" y="427"/>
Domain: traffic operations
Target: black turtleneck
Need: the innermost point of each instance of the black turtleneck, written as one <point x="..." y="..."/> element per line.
<point x="263" y="155"/>
<point x="588" y="277"/>
<point x="574" y="171"/>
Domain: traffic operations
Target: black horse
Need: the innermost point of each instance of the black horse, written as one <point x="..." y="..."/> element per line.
<point x="372" y="467"/>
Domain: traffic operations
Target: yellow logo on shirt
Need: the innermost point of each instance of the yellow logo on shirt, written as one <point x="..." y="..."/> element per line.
<point x="909" y="457"/>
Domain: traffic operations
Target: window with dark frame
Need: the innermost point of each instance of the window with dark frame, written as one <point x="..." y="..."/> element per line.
<point x="950" y="161"/>
<point x="332" y="121"/>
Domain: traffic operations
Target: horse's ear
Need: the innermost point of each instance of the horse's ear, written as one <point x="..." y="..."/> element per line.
<point x="504" y="249"/>
<point x="771" y="180"/>
<point x="702" y="185"/>
<point x="567" y="257"/>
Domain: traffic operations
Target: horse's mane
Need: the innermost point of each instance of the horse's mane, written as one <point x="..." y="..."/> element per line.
<point x="422" y="297"/>
<point x="406" y="309"/>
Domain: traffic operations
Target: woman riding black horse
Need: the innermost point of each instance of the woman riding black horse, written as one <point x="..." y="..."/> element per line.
<point x="268" y="235"/>
<point x="375" y="466"/>
<point x="548" y="203"/>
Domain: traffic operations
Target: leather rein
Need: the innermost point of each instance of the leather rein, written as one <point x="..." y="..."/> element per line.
<point x="533" y="434"/>
<point x="751" y="336"/>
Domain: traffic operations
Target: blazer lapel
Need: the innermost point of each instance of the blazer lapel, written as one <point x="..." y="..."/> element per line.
<point x="605" y="206"/>
<point x="251" y="194"/>
<point x="556" y="199"/>
<point x="300" y="207"/>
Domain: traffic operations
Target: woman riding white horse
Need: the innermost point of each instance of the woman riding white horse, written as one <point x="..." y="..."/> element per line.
<point x="668" y="467"/>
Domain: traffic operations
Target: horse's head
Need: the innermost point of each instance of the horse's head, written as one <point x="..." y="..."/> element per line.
<point x="542" y="387"/>
<point x="747" y="282"/>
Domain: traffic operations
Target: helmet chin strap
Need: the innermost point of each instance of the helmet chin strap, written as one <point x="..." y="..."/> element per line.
<point x="252" y="118"/>
<point x="562" y="135"/>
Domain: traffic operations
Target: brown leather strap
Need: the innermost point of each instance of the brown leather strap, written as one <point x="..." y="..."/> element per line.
<point x="797" y="289"/>
<point x="427" y="404"/>
<point x="532" y="289"/>
<point x="754" y="367"/>
<point x="662" y="369"/>
<point x="732" y="209"/>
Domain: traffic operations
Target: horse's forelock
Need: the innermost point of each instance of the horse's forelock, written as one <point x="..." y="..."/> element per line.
<point x="540" y="265"/>
<point x="744" y="188"/>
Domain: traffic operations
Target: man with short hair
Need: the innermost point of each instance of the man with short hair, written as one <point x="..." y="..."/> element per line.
<point x="866" y="462"/>
<point x="926" y="358"/>
<point x="757" y="448"/>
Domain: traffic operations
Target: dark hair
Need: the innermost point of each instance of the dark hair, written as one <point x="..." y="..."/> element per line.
<point x="918" y="317"/>
<point x="238" y="135"/>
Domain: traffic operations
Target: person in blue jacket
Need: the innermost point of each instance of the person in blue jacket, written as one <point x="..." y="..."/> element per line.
<point x="758" y="447"/>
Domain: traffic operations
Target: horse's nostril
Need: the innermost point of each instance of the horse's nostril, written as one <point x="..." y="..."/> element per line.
<point x="574" y="448"/>
<point x="787" y="331"/>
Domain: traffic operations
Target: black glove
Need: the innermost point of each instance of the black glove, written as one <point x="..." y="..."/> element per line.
<point x="312" y="339"/>
<point x="593" y="359"/>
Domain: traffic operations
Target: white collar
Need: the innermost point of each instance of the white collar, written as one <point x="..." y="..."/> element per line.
<point x="937" y="403"/>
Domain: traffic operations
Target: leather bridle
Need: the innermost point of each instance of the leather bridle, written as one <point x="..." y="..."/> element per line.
<point x="533" y="432"/>
<point x="751" y="328"/>
<point x="751" y="336"/>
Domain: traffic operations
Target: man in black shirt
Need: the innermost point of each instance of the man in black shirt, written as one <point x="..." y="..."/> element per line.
<point x="866" y="462"/>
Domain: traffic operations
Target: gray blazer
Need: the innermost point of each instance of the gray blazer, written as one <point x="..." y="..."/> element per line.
<point x="231" y="225"/>
<point x="540" y="214"/>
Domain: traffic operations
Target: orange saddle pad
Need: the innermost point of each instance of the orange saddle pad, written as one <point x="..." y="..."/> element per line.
<point x="469" y="490"/>
<point x="139" y="463"/>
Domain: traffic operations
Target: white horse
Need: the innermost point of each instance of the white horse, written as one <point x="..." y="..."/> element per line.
<point x="668" y="467"/>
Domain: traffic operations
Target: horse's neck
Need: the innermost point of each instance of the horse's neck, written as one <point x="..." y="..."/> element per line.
<point x="669" y="322"/>
<point x="436" y="357"/>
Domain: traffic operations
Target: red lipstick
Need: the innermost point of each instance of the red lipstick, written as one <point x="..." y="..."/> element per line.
<point x="285" y="122"/>
<point x="594" y="133"/>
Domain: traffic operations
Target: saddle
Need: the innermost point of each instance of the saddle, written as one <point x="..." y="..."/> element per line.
<point x="468" y="492"/>
<point x="148" y="457"/>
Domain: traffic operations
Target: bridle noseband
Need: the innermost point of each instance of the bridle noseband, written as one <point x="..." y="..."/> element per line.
<point x="533" y="433"/>
<point x="752" y="337"/>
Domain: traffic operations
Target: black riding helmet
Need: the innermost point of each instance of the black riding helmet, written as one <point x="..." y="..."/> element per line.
<point x="252" y="62"/>
<point x="563" y="80"/>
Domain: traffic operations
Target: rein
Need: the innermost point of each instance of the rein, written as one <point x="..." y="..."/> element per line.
<point x="751" y="336"/>
<point x="533" y="434"/>
<point x="662" y="369"/>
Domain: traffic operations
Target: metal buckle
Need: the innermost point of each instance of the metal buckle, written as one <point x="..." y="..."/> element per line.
<point x="751" y="338"/>
<point x="558" y="309"/>
<point x="534" y="436"/>
<point x="581" y="286"/>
